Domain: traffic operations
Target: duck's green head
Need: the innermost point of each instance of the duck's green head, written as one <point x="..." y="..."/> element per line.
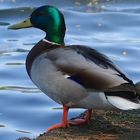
<point x="48" y="19"/>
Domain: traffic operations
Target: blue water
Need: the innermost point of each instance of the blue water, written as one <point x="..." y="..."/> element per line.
<point x="112" y="27"/>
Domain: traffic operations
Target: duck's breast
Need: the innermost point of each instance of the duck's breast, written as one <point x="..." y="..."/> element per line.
<point x="53" y="82"/>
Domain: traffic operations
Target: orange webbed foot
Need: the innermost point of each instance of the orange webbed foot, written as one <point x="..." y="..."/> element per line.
<point x="64" y="123"/>
<point x="56" y="126"/>
<point x="84" y="118"/>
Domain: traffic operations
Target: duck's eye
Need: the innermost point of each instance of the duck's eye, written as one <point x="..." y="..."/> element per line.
<point x="39" y="14"/>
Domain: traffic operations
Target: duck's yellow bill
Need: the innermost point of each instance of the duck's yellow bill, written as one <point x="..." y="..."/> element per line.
<point x="24" y="24"/>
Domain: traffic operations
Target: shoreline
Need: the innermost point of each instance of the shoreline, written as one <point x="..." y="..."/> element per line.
<point x="105" y="125"/>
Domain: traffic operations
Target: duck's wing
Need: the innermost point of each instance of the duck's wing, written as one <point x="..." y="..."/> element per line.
<point x="99" y="59"/>
<point x="90" y="68"/>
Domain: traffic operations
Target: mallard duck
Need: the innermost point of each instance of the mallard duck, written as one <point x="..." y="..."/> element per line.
<point x="74" y="76"/>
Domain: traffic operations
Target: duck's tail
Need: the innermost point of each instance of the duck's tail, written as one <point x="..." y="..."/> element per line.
<point x="125" y="100"/>
<point x="122" y="103"/>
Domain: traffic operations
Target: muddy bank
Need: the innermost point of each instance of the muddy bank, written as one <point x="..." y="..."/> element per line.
<point x="108" y="125"/>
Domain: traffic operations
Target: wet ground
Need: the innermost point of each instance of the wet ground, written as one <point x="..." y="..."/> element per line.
<point x="108" y="125"/>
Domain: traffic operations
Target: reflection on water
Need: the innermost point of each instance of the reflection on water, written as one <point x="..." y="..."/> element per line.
<point x="21" y="131"/>
<point x="21" y="89"/>
<point x="2" y="125"/>
<point x="4" y="24"/>
<point x="110" y="26"/>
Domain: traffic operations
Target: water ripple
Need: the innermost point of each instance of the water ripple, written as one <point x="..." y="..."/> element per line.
<point x="21" y="89"/>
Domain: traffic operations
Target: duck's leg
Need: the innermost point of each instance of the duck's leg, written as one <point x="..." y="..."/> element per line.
<point x="84" y="118"/>
<point x="64" y="122"/>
